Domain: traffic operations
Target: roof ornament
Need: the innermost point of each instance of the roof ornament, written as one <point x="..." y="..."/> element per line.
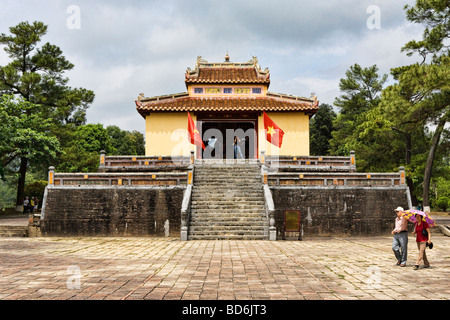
<point x="201" y="60"/>
<point x="227" y="57"/>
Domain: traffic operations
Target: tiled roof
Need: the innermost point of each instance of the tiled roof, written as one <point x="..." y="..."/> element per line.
<point x="227" y="72"/>
<point x="228" y="75"/>
<point x="183" y="102"/>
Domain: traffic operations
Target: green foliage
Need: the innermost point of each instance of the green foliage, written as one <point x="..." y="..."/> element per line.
<point x="361" y="90"/>
<point x="434" y="15"/>
<point x="36" y="73"/>
<point x="93" y="138"/>
<point x="82" y="152"/>
<point x="24" y="133"/>
<point x="320" y="128"/>
<point x="126" y="142"/>
<point x="443" y="203"/>
<point x="8" y="192"/>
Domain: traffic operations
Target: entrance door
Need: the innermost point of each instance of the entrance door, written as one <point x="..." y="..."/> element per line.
<point x="219" y="136"/>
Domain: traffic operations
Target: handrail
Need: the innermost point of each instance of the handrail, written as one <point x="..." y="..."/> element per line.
<point x="270" y="210"/>
<point x="334" y="178"/>
<point x="186" y="205"/>
<point x="119" y="179"/>
<point x="185" y="213"/>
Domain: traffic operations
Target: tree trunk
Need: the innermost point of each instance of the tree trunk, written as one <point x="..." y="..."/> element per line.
<point x="430" y="160"/>
<point x="409" y="181"/>
<point x="21" y="183"/>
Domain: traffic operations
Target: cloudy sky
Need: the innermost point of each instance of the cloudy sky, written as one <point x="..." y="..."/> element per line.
<point x="122" y="48"/>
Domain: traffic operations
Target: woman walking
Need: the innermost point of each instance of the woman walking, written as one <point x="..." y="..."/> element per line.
<point x="423" y="237"/>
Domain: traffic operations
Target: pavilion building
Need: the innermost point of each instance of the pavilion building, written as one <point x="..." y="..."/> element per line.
<point x="226" y="99"/>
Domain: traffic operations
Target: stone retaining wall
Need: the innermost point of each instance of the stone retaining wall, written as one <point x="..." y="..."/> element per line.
<point x="340" y="210"/>
<point x="112" y="211"/>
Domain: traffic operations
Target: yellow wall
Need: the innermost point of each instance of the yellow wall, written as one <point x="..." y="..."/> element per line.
<point x="296" y="134"/>
<point x="166" y="134"/>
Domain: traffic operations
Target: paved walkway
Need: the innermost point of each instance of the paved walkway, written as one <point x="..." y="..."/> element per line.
<point x="166" y="268"/>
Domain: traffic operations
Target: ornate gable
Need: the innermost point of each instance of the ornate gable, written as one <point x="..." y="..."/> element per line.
<point x="227" y="73"/>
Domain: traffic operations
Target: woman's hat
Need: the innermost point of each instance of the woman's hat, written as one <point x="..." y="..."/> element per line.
<point x="399" y="209"/>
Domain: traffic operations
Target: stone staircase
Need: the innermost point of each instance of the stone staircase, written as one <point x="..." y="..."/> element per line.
<point x="13" y="231"/>
<point x="228" y="202"/>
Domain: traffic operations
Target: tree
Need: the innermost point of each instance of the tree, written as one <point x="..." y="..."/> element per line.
<point x="126" y="142"/>
<point x="361" y="90"/>
<point x="93" y="138"/>
<point x="435" y="16"/>
<point x="25" y="135"/>
<point x="421" y="97"/>
<point x="37" y="75"/>
<point x="320" y="128"/>
<point x="81" y="154"/>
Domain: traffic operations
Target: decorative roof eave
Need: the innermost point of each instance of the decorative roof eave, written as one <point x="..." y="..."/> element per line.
<point x="229" y="81"/>
<point x="182" y="102"/>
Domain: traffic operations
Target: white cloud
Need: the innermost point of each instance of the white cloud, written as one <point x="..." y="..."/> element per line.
<point x="127" y="47"/>
<point x="325" y="89"/>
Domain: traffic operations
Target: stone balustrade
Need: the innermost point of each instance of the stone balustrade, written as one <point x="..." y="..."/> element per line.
<point x="334" y="179"/>
<point x="117" y="179"/>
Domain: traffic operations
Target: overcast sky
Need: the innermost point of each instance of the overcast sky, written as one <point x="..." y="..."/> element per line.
<point x="122" y="48"/>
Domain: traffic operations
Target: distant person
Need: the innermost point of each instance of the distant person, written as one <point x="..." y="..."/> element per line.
<point x="237" y="148"/>
<point x="26" y="203"/>
<point x="423" y="239"/>
<point x="32" y="204"/>
<point x="210" y="148"/>
<point x="400" y="241"/>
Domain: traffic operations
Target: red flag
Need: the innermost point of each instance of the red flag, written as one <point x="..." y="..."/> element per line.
<point x="274" y="134"/>
<point x="194" y="135"/>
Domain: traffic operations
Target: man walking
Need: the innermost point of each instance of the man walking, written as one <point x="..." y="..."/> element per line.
<point x="400" y="242"/>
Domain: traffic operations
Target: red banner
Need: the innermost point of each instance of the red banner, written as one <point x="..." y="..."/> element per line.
<point x="274" y="134"/>
<point x="194" y="135"/>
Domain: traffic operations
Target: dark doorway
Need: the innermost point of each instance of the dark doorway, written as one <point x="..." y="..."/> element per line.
<point x="219" y="136"/>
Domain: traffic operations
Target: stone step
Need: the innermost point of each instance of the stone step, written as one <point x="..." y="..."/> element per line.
<point x="227" y="237"/>
<point x="203" y="199"/>
<point x="227" y="203"/>
<point x="228" y="220"/>
<point x="230" y="227"/>
<point x="230" y="194"/>
<point x="220" y="233"/>
<point x="221" y="181"/>
<point x="220" y="188"/>
<point x="13" y="231"/>
<point x="216" y="209"/>
<point x="226" y="234"/>
<point x="227" y="171"/>
<point x="236" y="212"/>
<point x="224" y="230"/>
<point x="214" y="172"/>
<point x="228" y="167"/>
<point x="228" y="216"/>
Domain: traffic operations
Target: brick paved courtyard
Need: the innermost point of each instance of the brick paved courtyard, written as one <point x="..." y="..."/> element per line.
<point x="168" y="269"/>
